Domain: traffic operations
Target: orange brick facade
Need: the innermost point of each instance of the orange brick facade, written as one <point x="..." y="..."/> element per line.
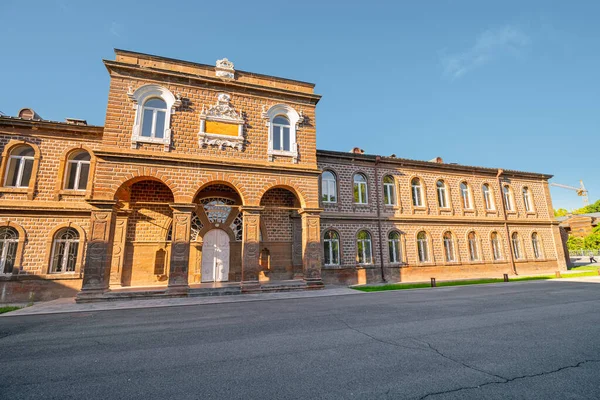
<point x="150" y="202"/>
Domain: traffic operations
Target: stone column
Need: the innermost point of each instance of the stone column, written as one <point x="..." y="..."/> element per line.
<point x="251" y="248"/>
<point x="118" y="248"/>
<point x="180" y="248"/>
<point x="311" y="247"/>
<point x="96" y="271"/>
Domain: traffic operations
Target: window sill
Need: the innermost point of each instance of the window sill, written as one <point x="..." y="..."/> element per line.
<point x="61" y="275"/>
<point x="72" y="192"/>
<point x="419" y="208"/>
<point x="510" y="212"/>
<point x="360" y="204"/>
<point x="14" y="189"/>
<point x="533" y="213"/>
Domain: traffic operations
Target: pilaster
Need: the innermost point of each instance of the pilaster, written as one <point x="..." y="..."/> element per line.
<point x="311" y="247"/>
<point x="96" y="272"/>
<point x="251" y="248"/>
<point x="180" y="248"/>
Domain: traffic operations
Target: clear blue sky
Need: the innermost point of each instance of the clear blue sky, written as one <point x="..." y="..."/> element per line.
<point x="513" y="84"/>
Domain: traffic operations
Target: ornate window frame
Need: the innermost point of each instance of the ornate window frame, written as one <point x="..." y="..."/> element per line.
<point x="222" y="112"/>
<point x="138" y="98"/>
<point x="295" y="121"/>
<point x="8" y="149"/>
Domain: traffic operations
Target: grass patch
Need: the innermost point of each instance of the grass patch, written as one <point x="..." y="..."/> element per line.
<point x="8" y="309"/>
<point x="590" y="267"/>
<point x="401" y="286"/>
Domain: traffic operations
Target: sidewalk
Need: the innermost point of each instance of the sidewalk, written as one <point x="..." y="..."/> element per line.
<point x="68" y="305"/>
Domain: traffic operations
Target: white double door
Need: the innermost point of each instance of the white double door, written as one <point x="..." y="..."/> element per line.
<point x="215" y="256"/>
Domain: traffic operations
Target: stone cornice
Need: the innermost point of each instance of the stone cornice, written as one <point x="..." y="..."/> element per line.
<point x="393" y="162"/>
<point x="169" y="159"/>
<point x="39" y="125"/>
<point x="186" y="79"/>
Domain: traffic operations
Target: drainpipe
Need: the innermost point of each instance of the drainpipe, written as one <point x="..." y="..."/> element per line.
<point x="377" y="159"/>
<point x="510" y="248"/>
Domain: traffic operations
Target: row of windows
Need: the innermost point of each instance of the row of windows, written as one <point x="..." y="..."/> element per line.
<point x="20" y="168"/>
<point x="65" y="248"/>
<point x="361" y="196"/>
<point x="364" y="253"/>
<point x="153" y="120"/>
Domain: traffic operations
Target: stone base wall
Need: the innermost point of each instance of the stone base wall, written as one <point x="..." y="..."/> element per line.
<point x="372" y="275"/>
<point x="30" y="288"/>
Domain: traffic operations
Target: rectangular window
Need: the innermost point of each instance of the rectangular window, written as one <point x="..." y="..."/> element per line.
<point x="72" y="175"/>
<point x="147" y="122"/>
<point x="394" y="249"/>
<point x="12" y="174"/>
<point x="389" y="195"/>
<point x="286" y="139"/>
<point x="360" y="193"/>
<point x="417" y="201"/>
<point x="83" y="176"/>
<point x="473" y="250"/>
<point x="276" y="138"/>
<point x="159" y="128"/>
<point x="27" y="170"/>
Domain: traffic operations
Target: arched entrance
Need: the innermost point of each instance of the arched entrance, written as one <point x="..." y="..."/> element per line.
<point x="215" y="256"/>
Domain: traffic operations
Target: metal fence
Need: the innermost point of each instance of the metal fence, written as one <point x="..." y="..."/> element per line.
<point x="584" y="253"/>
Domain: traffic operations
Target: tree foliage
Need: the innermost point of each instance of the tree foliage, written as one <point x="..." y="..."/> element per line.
<point x="561" y="212"/>
<point x="592" y="208"/>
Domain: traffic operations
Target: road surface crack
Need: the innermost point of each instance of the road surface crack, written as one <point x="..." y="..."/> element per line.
<point x="508" y="380"/>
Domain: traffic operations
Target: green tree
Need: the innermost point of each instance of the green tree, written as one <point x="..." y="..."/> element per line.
<point x="575" y="243"/>
<point x="592" y="242"/>
<point x="592" y="208"/>
<point x="561" y="212"/>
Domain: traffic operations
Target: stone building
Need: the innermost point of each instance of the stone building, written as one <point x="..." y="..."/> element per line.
<point x="206" y="179"/>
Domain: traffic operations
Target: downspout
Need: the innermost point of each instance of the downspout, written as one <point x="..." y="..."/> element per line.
<point x="377" y="159"/>
<point x="510" y="248"/>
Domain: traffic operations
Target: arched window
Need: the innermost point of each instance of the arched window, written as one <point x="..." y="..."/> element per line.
<point x="154" y="105"/>
<point x="280" y="133"/>
<point x="441" y="194"/>
<point x="331" y="248"/>
<point x="527" y="199"/>
<point x="496" y="248"/>
<point x="465" y="195"/>
<point x="449" y="247"/>
<point x="283" y="123"/>
<point x="9" y="241"/>
<point x="389" y="190"/>
<point x="488" y="197"/>
<point x="360" y="189"/>
<point x="417" y="192"/>
<point x="78" y="170"/>
<point x="537" y="245"/>
<point x="328" y="187"/>
<point x="422" y="247"/>
<point x="154" y="114"/>
<point x="363" y="246"/>
<point x="508" y="198"/>
<point x="473" y="247"/>
<point x="516" y="244"/>
<point x="64" y="251"/>
<point x="20" y="167"/>
<point x="394" y="247"/>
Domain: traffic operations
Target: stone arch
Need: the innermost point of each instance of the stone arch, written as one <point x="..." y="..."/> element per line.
<point x="231" y="183"/>
<point x="80" y="249"/>
<point x="284" y="184"/>
<point x="121" y="189"/>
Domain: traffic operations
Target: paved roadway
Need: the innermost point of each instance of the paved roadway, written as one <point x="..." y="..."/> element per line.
<point x="536" y="340"/>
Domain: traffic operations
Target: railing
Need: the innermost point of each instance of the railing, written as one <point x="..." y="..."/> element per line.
<point x="584" y="253"/>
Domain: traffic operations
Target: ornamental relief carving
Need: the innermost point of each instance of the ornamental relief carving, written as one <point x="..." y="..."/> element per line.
<point x="221" y="125"/>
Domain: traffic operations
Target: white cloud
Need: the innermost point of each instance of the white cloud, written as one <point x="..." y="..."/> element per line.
<point x="115" y="29"/>
<point x="488" y="45"/>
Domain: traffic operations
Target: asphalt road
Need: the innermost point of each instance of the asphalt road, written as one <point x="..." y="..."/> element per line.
<point x="537" y="340"/>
